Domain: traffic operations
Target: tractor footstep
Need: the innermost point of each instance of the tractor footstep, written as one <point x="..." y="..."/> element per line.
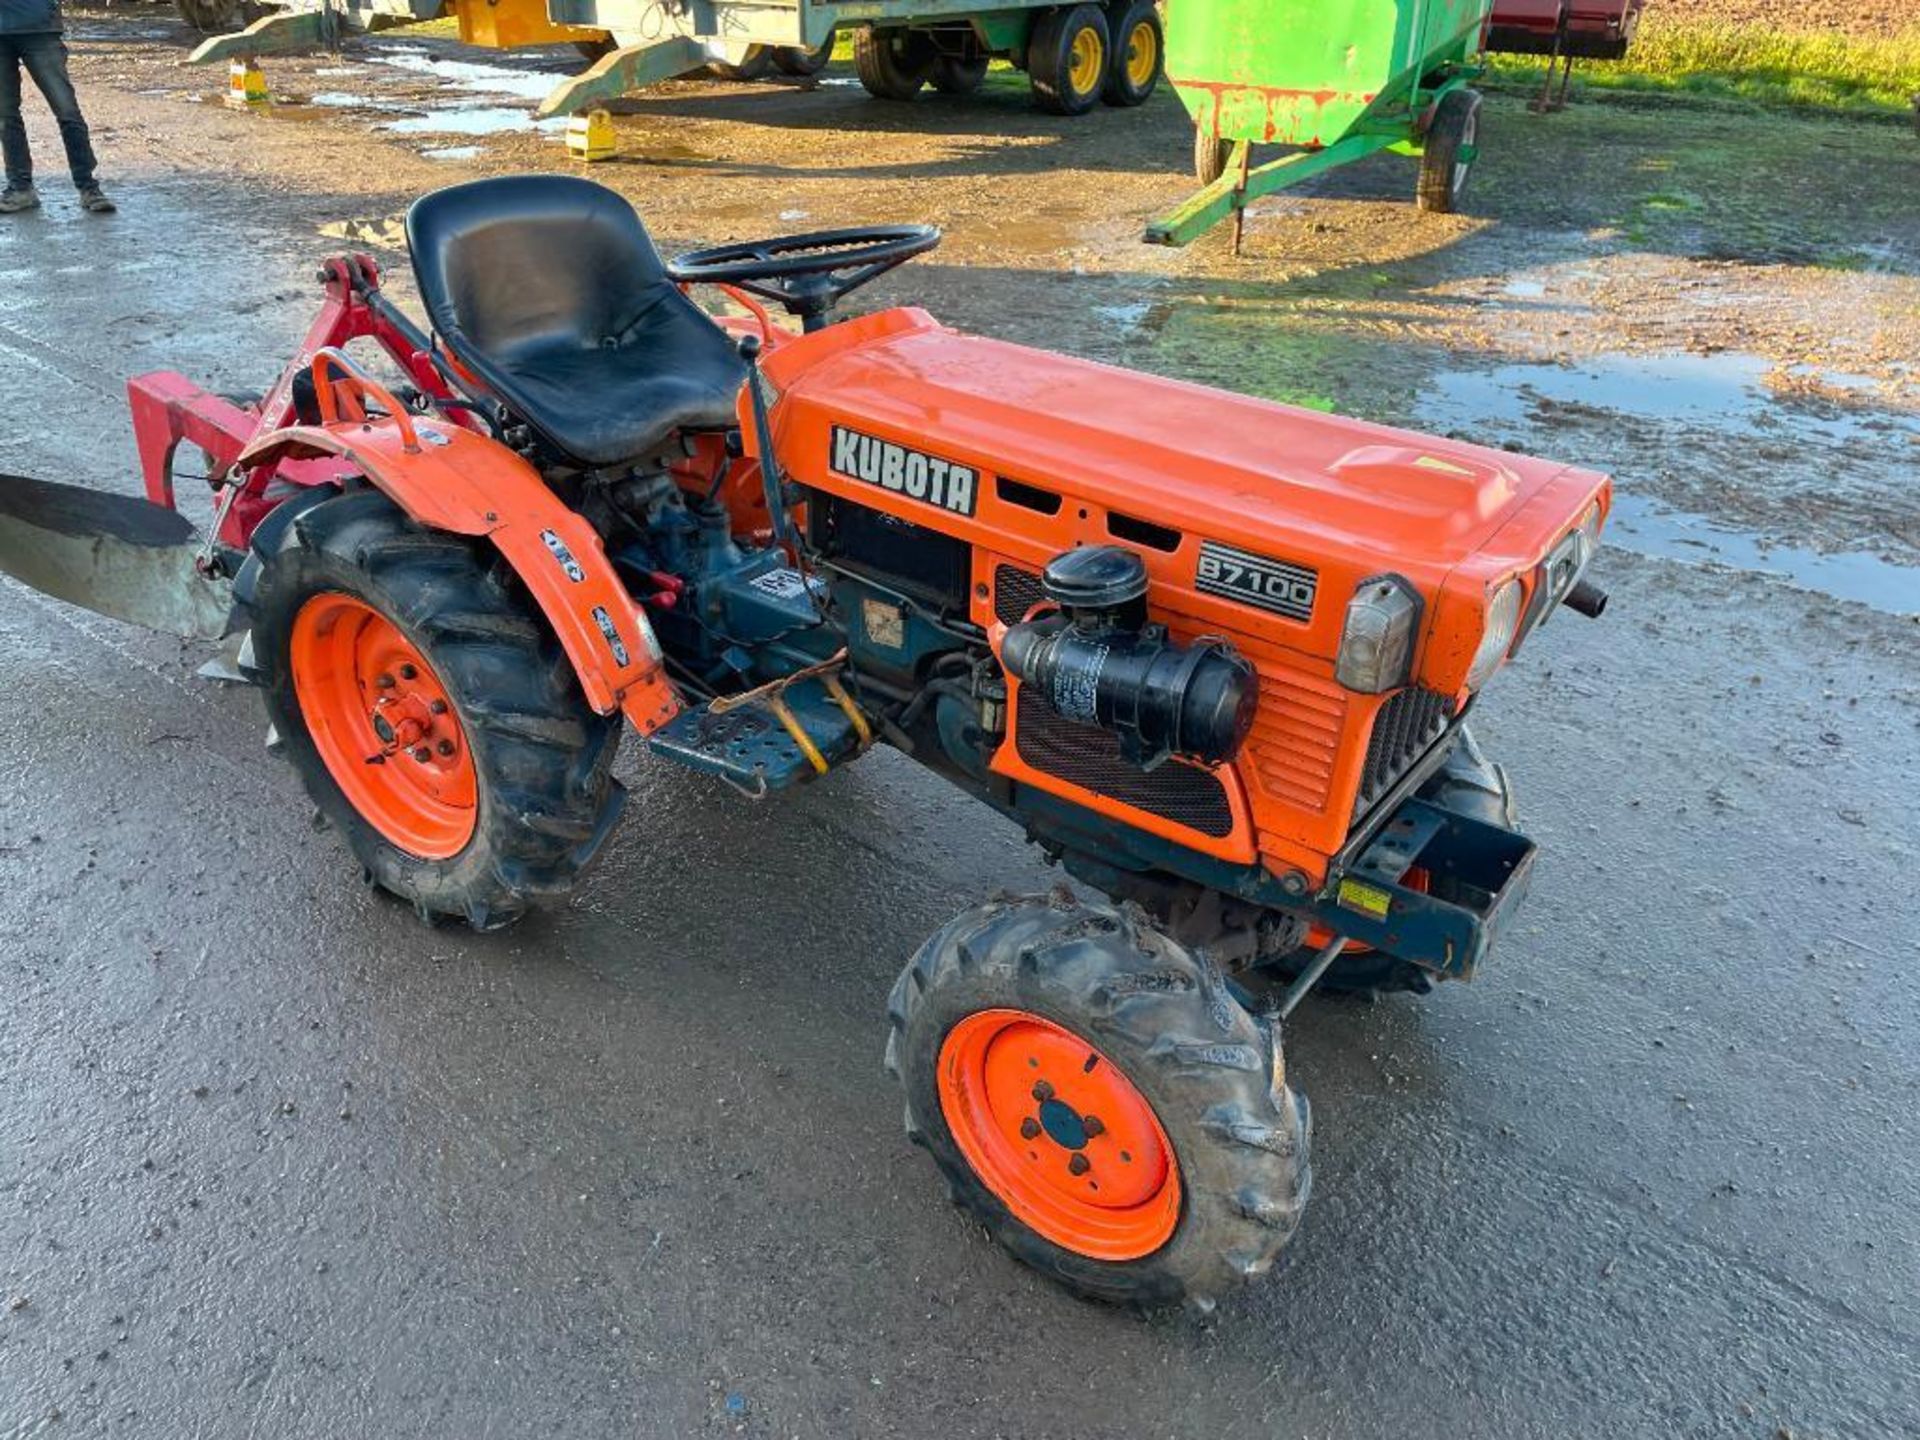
<point x="751" y="748"/>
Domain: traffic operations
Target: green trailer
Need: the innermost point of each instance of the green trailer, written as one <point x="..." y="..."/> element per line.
<point x="1335" y="79"/>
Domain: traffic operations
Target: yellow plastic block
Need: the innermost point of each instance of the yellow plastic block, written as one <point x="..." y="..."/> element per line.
<point x="246" y="86"/>
<point x="590" y="136"/>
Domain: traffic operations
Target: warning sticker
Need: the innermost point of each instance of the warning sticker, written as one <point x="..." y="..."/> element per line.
<point x="1357" y="895"/>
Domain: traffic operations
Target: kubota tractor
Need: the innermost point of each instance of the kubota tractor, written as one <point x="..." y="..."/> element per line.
<point x="1215" y="655"/>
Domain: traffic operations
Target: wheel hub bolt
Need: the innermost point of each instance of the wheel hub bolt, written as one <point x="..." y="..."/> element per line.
<point x="437" y="707"/>
<point x="1093" y="1125"/>
<point x="445" y="747"/>
<point x="1042" y="1091"/>
<point x="1029" y="1128"/>
<point x="423" y="754"/>
<point x="1079" y="1164"/>
<point x="383" y="682"/>
<point x="407" y="672"/>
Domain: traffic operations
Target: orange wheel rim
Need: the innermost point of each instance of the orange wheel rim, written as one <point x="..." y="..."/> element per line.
<point x="1059" y="1134"/>
<point x="384" y="726"/>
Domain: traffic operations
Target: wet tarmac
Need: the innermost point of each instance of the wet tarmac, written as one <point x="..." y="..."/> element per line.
<point x="275" y="1160"/>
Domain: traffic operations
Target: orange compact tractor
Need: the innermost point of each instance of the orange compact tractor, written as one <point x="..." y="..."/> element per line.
<point x="1214" y="654"/>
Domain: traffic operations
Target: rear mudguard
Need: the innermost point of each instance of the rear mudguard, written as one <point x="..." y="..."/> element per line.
<point x="449" y="478"/>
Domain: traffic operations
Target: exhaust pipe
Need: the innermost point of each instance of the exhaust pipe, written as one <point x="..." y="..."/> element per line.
<point x="1586" y="598"/>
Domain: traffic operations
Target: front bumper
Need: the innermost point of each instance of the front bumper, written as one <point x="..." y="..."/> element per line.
<point x="1458" y="828"/>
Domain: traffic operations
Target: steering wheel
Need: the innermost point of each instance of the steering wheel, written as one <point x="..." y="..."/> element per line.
<point x="807" y="274"/>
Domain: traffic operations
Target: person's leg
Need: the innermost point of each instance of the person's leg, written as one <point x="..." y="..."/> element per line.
<point x="13" y="130"/>
<point x="45" y="57"/>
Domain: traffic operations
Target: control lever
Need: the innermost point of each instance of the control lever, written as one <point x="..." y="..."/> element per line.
<point x="770" y="477"/>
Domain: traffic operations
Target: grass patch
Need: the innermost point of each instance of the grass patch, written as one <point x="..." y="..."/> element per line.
<point x="1753" y="65"/>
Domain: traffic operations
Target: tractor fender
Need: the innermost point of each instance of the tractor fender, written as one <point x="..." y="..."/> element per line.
<point x="450" y="478"/>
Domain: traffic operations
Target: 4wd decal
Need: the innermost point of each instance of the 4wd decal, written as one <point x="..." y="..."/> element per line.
<point x="564" y="556"/>
<point x="945" y="483"/>
<point x="1276" y="585"/>
<point x="612" y="633"/>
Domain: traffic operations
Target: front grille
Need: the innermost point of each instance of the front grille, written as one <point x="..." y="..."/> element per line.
<point x="1090" y="758"/>
<point x="1403" y="730"/>
<point x="1015" y="592"/>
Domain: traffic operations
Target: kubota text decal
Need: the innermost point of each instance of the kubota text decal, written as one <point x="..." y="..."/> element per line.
<point x="926" y="478"/>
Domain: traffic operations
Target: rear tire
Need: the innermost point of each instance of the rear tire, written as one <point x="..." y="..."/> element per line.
<point x="543" y="792"/>
<point x="1067" y="59"/>
<point x="1139" y="50"/>
<point x="892" y="64"/>
<point x="1065" y="979"/>
<point x="792" y="60"/>
<point x="213" y="17"/>
<point x="1448" y="153"/>
<point x="954" y="76"/>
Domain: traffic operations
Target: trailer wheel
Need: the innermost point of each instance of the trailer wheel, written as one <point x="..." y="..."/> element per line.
<point x="1067" y="59"/>
<point x="955" y="76"/>
<point x="430" y="712"/>
<point x="1098" y="1100"/>
<point x="1448" y="153"/>
<point x="892" y="64"/>
<point x="1139" y="44"/>
<point x="799" y="63"/>
<point x="1210" y="156"/>
<point x="755" y="64"/>
<point x="212" y="16"/>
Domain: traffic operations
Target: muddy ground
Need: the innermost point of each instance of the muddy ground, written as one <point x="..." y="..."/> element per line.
<point x="276" y="1161"/>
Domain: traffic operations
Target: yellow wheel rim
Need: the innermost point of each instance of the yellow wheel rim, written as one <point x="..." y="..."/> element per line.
<point x="1087" y="61"/>
<point x="1143" y="55"/>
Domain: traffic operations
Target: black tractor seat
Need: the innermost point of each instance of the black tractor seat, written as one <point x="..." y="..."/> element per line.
<point x="549" y="291"/>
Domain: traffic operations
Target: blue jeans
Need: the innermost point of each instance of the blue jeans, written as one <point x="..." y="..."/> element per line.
<point x="45" y="58"/>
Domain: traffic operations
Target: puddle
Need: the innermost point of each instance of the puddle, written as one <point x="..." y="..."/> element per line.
<point x="1126" y="318"/>
<point x="1525" y="289"/>
<point x="480" y="120"/>
<point x="474" y="78"/>
<point x="1640" y="526"/>
<point x="454" y="152"/>
<point x="1711" y="390"/>
<point x="344" y="100"/>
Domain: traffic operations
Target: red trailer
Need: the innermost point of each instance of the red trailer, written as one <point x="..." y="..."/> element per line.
<point x="1564" y="31"/>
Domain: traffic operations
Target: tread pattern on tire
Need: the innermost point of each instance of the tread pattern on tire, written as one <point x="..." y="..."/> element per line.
<point x="1211" y="1071"/>
<point x="1047" y="56"/>
<point x="1444" y="137"/>
<point x="891" y="64"/>
<point x="547" y="793"/>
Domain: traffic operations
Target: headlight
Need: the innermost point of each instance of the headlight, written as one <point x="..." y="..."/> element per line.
<point x="1376" y="644"/>
<point x="1503" y="620"/>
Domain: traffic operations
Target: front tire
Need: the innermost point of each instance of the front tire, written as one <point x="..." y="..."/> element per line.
<point x="1048" y="1047"/>
<point x="1448" y="153"/>
<point x="378" y="638"/>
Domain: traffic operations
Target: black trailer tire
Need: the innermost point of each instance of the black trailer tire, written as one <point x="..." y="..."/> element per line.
<point x="1139" y="52"/>
<point x="1443" y="169"/>
<point x="792" y="60"/>
<point x="545" y="796"/>
<point x="1210" y="155"/>
<point x="1163" y="1018"/>
<point x="213" y="17"/>
<point x="955" y="76"/>
<point x="755" y="64"/>
<point x="892" y="64"/>
<point x="1067" y="59"/>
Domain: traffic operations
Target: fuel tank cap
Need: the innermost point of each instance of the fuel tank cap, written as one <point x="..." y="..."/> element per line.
<point x="1095" y="577"/>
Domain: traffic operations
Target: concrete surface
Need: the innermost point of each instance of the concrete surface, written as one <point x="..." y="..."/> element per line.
<point x="277" y="1161"/>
